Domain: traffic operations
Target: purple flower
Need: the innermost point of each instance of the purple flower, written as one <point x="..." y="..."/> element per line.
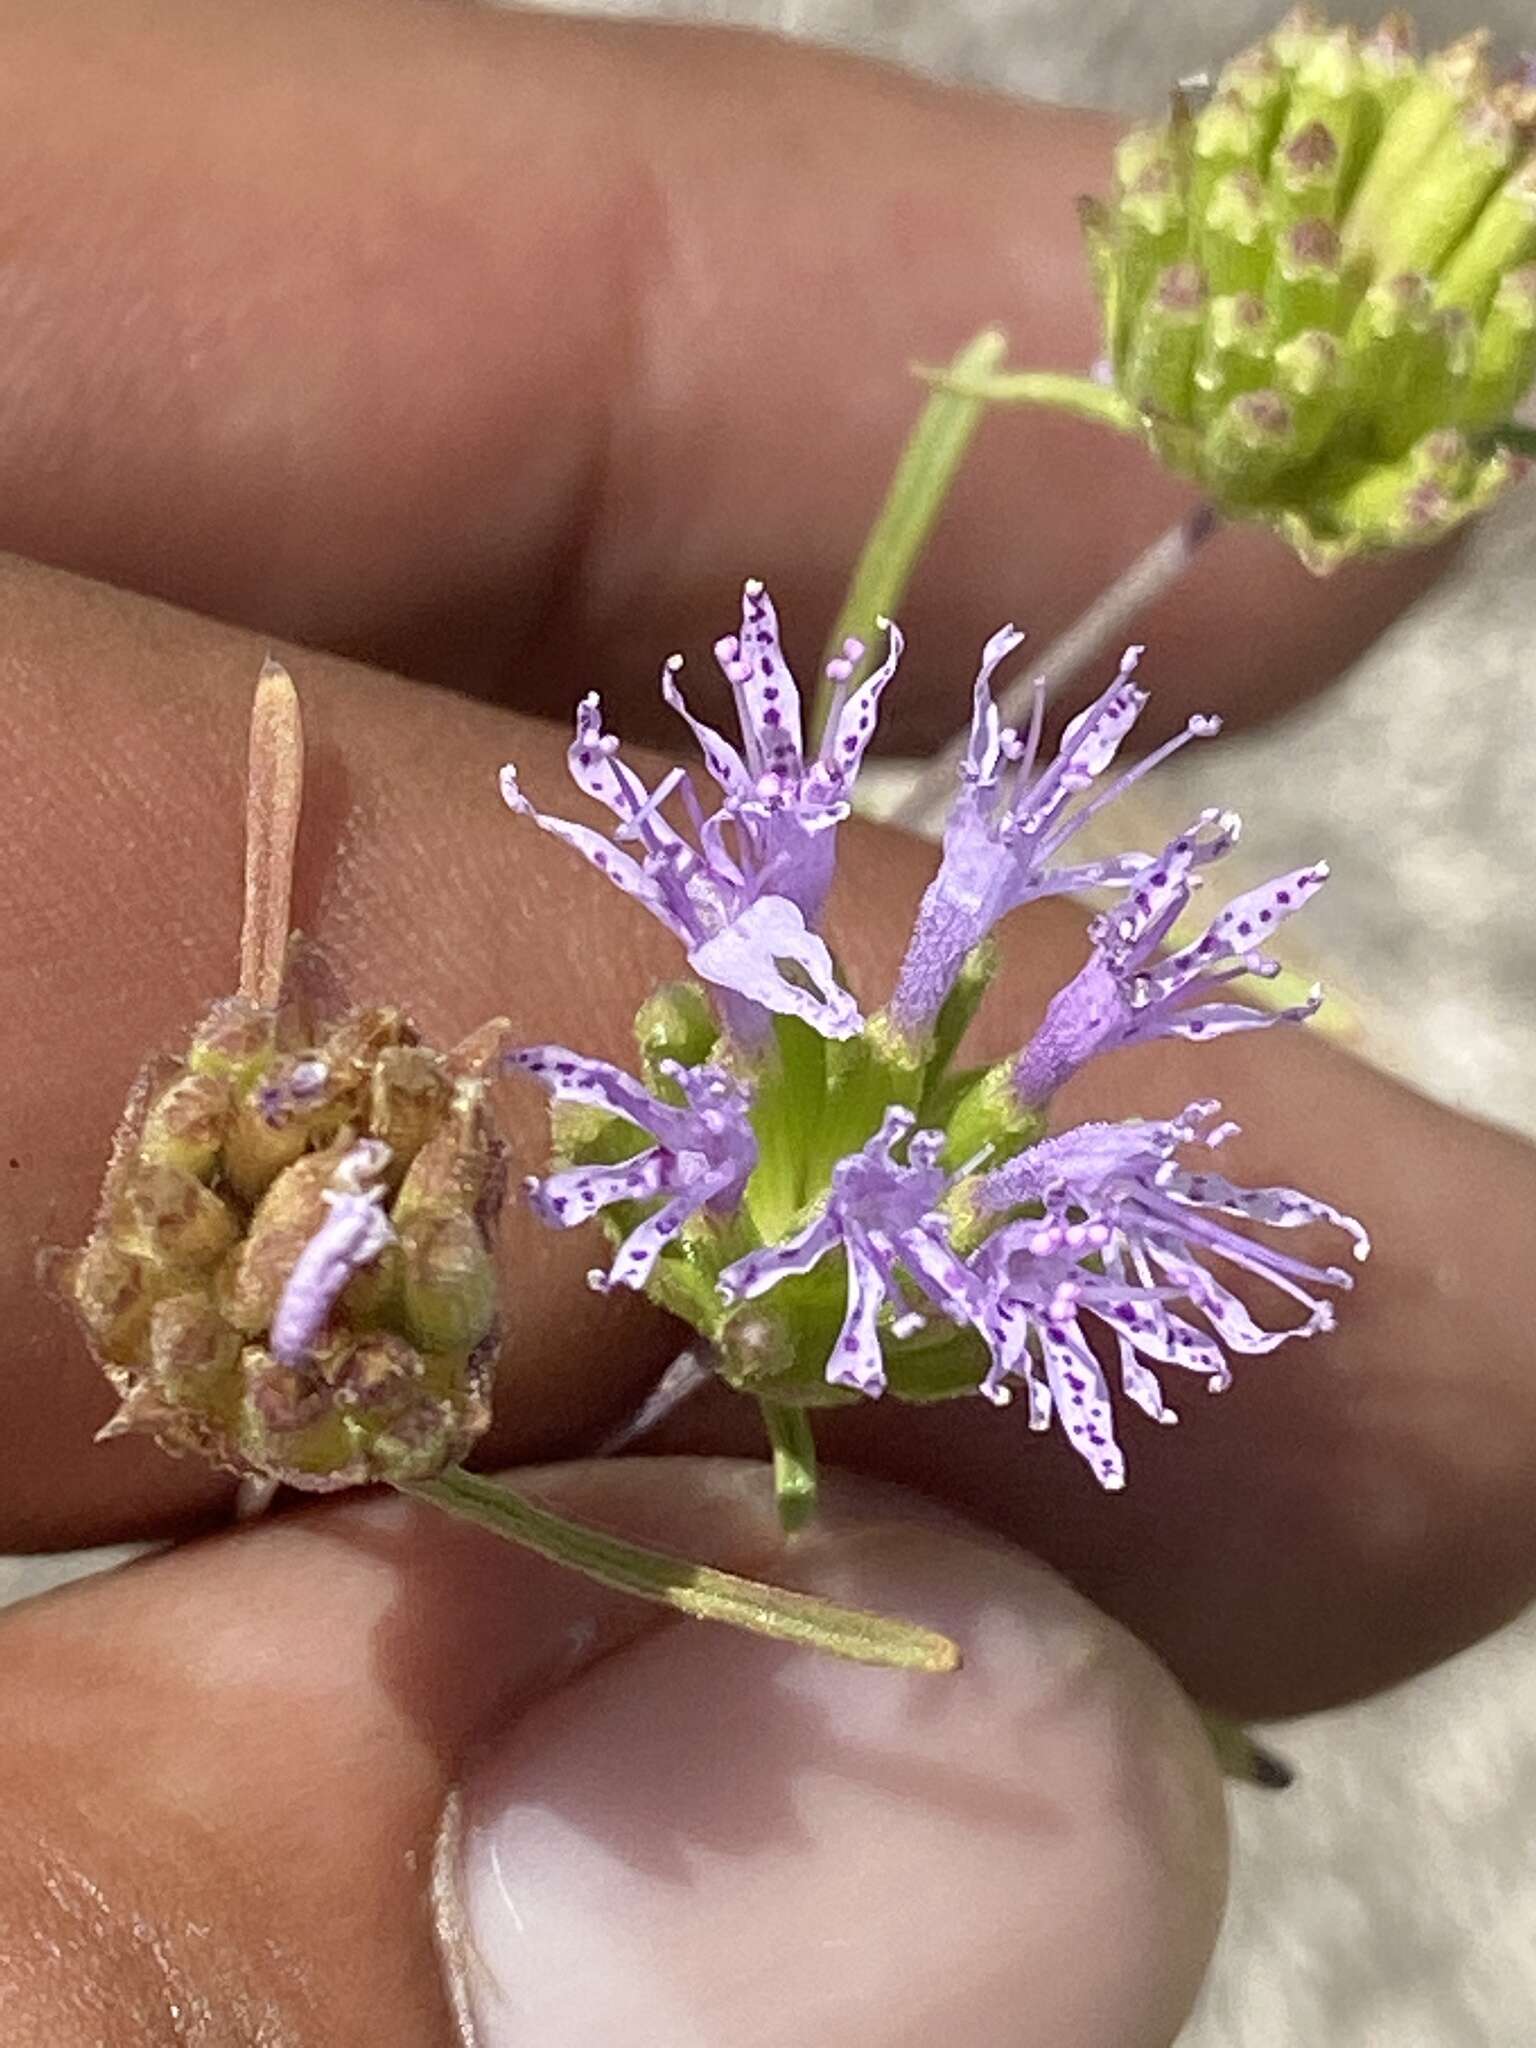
<point x="1125" y="1230"/>
<point x="1128" y="993"/>
<point x="351" y="1237"/>
<point x="783" y="809"/>
<point x="702" y="1157"/>
<point x="1009" y="825"/>
<point x="742" y="892"/>
<point x="882" y="1213"/>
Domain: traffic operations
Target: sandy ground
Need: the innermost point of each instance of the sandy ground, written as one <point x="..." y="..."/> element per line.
<point x="1389" y="1900"/>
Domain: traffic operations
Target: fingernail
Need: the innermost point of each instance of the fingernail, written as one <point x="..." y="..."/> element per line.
<point x="706" y="1839"/>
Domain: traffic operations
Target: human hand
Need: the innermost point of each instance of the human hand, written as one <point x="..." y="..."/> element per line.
<point x="343" y="410"/>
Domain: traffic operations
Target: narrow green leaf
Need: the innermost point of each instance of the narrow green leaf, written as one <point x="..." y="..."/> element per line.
<point x="934" y="452"/>
<point x="1081" y="396"/>
<point x="694" y="1589"/>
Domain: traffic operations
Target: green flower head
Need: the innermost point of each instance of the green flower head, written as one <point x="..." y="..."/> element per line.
<point x="1319" y="286"/>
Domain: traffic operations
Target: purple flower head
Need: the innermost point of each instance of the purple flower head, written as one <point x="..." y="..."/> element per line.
<point x="882" y="1213"/>
<point x="1129" y="992"/>
<point x="352" y="1236"/>
<point x="1126" y="1230"/>
<point x="742" y="892"/>
<point x="1010" y="824"/>
<point x="702" y="1157"/>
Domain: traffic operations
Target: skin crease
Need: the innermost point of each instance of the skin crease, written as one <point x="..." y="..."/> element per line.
<point x="401" y="331"/>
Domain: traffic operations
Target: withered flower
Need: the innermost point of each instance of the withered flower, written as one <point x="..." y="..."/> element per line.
<point x="291" y="1269"/>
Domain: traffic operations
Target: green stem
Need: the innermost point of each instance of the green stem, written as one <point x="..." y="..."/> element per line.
<point x="934" y="451"/>
<point x="1080" y="396"/>
<point x="694" y="1589"/>
<point x="794" y="1463"/>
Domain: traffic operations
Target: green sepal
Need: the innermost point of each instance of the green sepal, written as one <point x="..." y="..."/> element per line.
<point x="1309" y="288"/>
<point x="1329" y="93"/>
<point x="677" y="1023"/>
<point x="1250" y="442"/>
<point x="956" y="1015"/>
<point x="789" y="1106"/>
<point x="1238" y="353"/>
<point x="941" y="1363"/>
<point x="866" y="1076"/>
<point x="1260" y="82"/>
<point x="1506" y="352"/>
<point x="1157" y="378"/>
<point x="1151" y="225"/>
<point x="1228" y="137"/>
<point x="1465" y="166"/>
<point x="1309" y="375"/>
<point x="989" y="1121"/>
<point x="1307" y="171"/>
<point x="1503" y="236"/>
<point x="1425" y="110"/>
<point x="776" y="1348"/>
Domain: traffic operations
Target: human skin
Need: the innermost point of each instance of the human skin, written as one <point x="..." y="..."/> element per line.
<point x="406" y="332"/>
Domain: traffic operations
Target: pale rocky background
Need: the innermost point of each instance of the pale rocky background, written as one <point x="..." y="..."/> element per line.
<point x="1389" y="1901"/>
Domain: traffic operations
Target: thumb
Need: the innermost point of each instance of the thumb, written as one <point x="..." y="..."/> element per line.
<point x="706" y="1838"/>
<point x="223" y="1776"/>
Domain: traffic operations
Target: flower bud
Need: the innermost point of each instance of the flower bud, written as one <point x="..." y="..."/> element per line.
<point x="1334" y="185"/>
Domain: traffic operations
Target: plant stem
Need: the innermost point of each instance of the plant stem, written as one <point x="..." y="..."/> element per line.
<point x="694" y="1589"/>
<point x="934" y="451"/>
<point x="794" y="1463"/>
<point x="1155" y="570"/>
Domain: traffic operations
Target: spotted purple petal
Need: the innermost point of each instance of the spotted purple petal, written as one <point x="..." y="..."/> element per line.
<point x="769" y="955"/>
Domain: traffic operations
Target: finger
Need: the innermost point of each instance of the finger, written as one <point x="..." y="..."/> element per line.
<point x="453" y="339"/>
<point x="204" y="1811"/>
<point x="1352" y="1508"/>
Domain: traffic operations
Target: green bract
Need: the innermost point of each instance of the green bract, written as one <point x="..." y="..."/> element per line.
<point x="813" y="1104"/>
<point x="1319" y="289"/>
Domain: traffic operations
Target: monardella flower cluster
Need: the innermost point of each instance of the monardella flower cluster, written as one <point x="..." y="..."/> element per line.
<point x="827" y="1196"/>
